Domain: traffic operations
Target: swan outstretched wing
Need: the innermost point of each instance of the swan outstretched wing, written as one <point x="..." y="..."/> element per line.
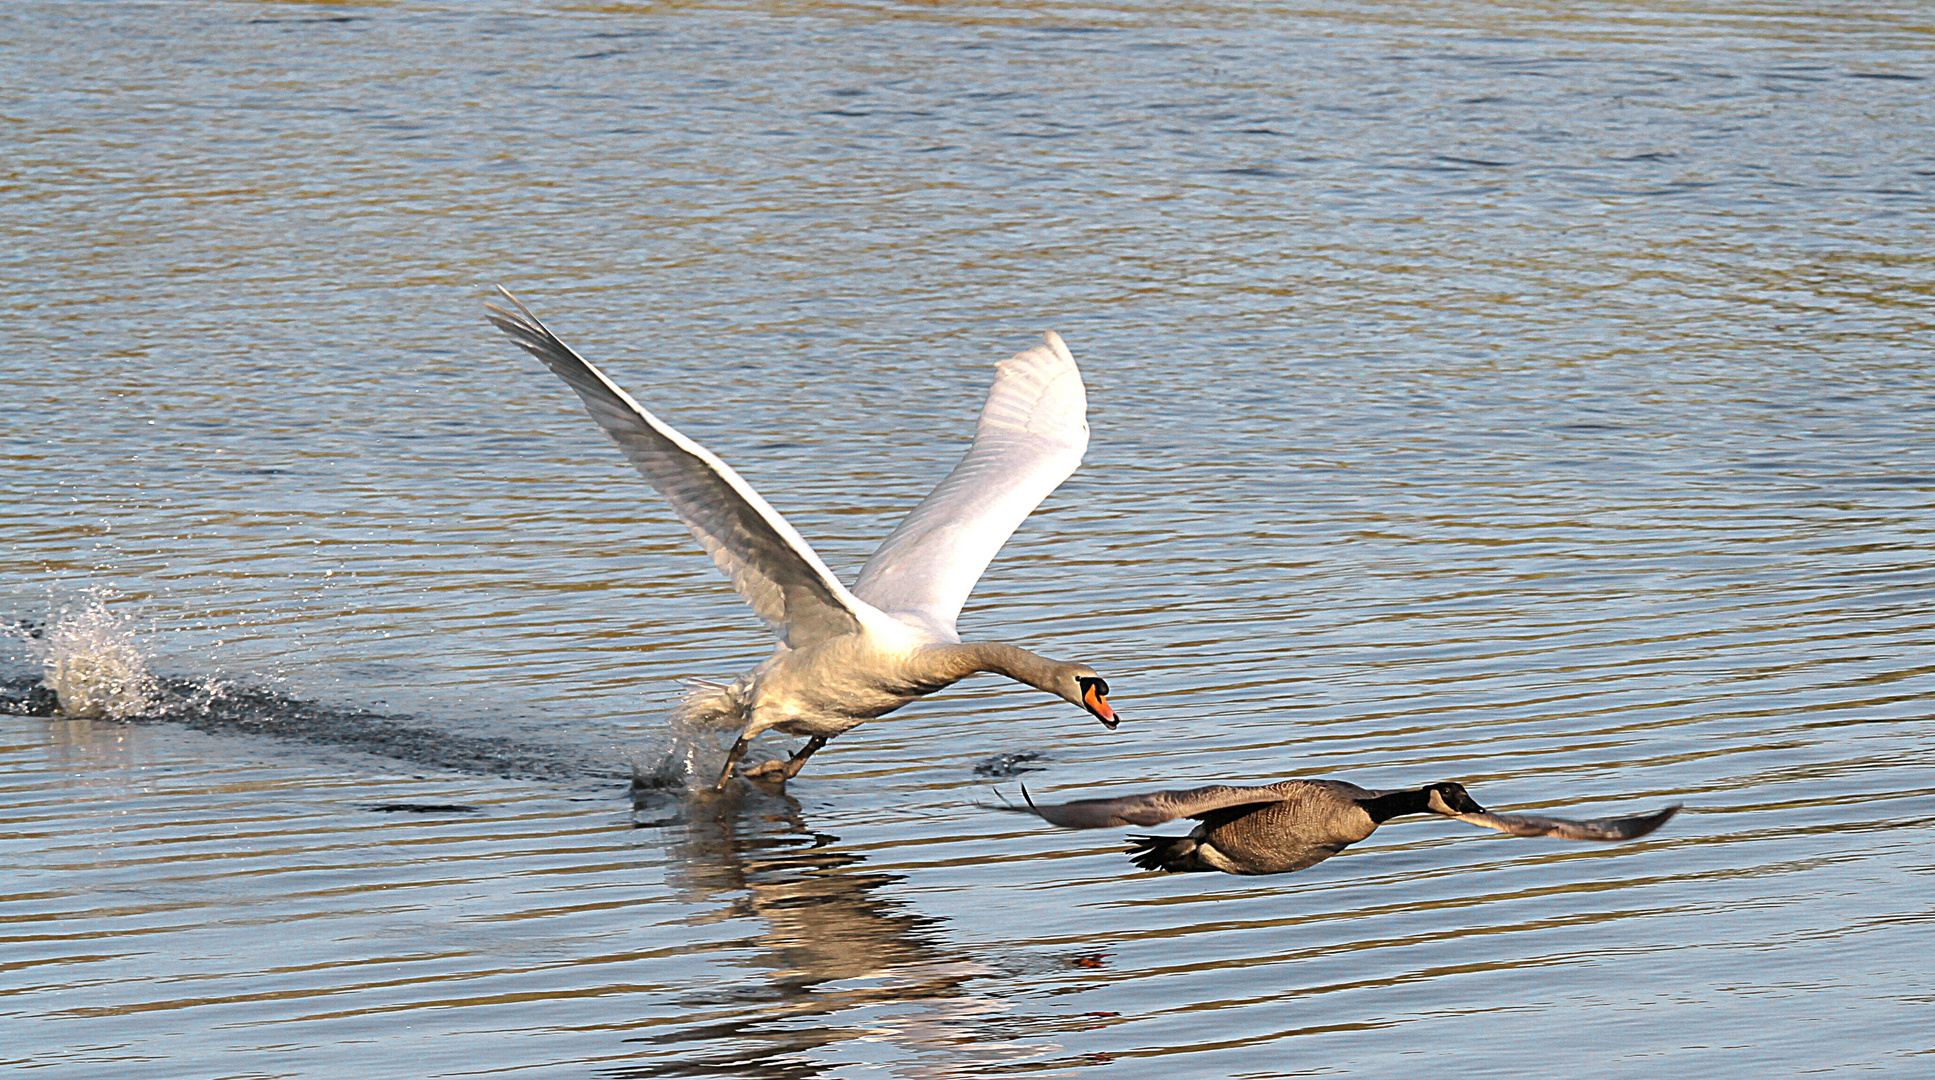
<point x="1032" y="433"/>
<point x="768" y="562"/>
<point x="1609" y="828"/>
<point x="1151" y="808"/>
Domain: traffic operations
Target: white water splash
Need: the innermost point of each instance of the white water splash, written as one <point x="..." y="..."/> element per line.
<point x="684" y="762"/>
<point x="92" y="664"/>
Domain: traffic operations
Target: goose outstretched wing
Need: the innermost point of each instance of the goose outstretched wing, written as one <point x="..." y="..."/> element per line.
<point x="1608" y="828"/>
<point x="1032" y="433"/>
<point x="1154" y="807"/>
<point x="768" y="562"/>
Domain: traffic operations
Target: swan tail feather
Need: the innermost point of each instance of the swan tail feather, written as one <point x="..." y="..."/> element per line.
<point x="713" y="705"/>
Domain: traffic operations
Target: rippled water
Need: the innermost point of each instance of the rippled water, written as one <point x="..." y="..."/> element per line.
<point x="1531" y="395"/>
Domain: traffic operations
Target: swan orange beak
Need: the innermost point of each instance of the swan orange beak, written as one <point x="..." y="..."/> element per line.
<point x="1093" y="700"/>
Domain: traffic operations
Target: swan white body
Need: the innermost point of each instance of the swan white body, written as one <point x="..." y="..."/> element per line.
<point x="847" y="656"/>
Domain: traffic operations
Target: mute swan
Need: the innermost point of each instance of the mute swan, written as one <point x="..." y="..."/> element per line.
<point x="846" y="657"/>
<point x="1283" y="827"/>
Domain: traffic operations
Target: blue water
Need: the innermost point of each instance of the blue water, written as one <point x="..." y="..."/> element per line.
<point x="1530" y="396"/>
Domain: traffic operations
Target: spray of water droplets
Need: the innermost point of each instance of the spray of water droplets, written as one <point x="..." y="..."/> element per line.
<point x="91" y="663"/>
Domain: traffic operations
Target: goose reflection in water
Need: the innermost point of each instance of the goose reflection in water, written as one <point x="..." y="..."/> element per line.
<point x="845" y="958"/>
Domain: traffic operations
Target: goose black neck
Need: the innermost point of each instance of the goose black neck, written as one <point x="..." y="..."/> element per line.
<point x="1396" y="803"/>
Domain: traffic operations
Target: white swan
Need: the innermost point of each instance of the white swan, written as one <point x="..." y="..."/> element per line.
<point x="845" y="657"/>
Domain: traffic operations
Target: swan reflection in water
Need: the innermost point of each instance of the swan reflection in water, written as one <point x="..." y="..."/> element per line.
<point x="844" y="958"/>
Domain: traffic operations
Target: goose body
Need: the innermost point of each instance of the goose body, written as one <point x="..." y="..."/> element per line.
<point x="1287" y="826"/>
<point x="846" y="656"/>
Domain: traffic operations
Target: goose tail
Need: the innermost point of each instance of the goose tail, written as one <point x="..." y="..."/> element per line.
<point x="1171" y="854"/>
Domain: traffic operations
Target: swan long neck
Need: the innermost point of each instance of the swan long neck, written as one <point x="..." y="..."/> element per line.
<point x="1016" y="663"/>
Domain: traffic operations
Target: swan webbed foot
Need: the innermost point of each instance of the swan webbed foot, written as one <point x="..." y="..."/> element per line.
<point x="772" y="770"/>
<point x="778" y="772"/>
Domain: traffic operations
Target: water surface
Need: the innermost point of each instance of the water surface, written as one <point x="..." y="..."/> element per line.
<point x="1530" y="396"/>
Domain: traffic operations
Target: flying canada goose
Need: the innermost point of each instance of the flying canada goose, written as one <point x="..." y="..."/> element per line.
<point x="1283" y="827"/>
<point x="846" y="657"/>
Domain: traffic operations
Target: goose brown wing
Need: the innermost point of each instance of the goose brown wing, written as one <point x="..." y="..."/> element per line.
<point x="1155" y="807"/>
<point x="1606" y="828"/>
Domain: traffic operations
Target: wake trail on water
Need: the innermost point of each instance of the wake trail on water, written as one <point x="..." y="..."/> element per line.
<point x="230" y="708"/>
<point x="93" y="668"/>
